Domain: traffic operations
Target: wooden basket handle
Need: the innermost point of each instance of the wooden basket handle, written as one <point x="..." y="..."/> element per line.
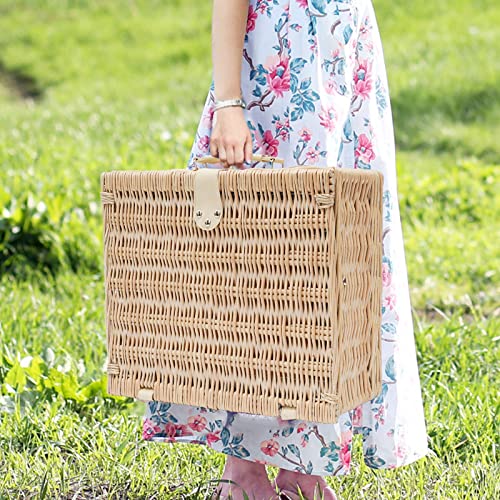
<point x="213" y="159"/>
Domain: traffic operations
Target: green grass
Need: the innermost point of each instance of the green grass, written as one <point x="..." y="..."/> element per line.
<point x="88" y="86"/>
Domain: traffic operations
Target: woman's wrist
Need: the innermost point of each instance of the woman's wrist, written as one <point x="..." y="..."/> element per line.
<point x="230" y="91"/>
<point x="222" y="96"/>
<point x="230" y="109"/>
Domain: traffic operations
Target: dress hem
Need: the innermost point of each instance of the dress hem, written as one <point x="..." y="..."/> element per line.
<point x="408" y="461"/>
<point x="341" y="471"/>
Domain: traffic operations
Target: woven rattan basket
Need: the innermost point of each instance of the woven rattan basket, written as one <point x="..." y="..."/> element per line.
<point x="255" y="290"/>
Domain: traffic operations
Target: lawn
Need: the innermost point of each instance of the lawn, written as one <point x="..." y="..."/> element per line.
<point x="91" y="86"/>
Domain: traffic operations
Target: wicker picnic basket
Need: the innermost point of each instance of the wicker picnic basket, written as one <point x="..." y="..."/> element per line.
<point x="255" y="290"/>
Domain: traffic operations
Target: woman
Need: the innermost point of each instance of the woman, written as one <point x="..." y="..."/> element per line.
<point x="313" y="78"/>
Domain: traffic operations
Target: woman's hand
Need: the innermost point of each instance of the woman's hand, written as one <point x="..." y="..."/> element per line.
<point x="231" y="139"/>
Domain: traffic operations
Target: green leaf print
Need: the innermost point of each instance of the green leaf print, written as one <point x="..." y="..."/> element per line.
<point x="237" y="438"/>
<point x="371" y="460"/>
<point x="237" y="451"/>
<point x="374" y="462"/>
<point x="330" y="451"/>
<point x="224" y="435"/>
<point x="389" y="368"/>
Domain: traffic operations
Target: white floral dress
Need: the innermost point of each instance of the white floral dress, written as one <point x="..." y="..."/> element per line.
<point x="315" y="84"/>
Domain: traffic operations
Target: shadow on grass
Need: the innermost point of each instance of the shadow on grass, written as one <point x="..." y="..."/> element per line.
<point x="21" y="84"/>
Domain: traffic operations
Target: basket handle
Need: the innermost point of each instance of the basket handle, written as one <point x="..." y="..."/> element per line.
<point x="213" y="159"/>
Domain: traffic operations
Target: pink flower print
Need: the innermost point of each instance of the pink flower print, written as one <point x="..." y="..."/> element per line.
<point x="379" y="416"/>
<point x="184" y="430"/>
<point x="269" y="144"/>
<point x="356" y="417"/>
<point x="278" y="77"/>
<point x="345" y="455"/>
<point x="303" y="3"/>
<point x="204" y="143"/>
<point x="345" y="451"/>
<point x="400" y="451"/>
<point x="327" y="117"/>
<point x="174" y="430"/>
<point x="281" y="130"/>
<point x="302" y="426"/>
<point x="330" y="86"/>
<point x="171" y="431"/>
<point x="252" y="17"/>
<point x="386" y="274"/>
<point x="363" y="79"/>
<point x="213" y="437"/>
<point x="304" y="440"/>
<point x="149" y="429"/>
<point x="283" y="134"/>
<point x="364" y="149"/>
<point x="312" y="155"/>
<point x="197" y="423"/>
<point x="208" y="117"/>
<point x="270" y="447"/>
<point x="390" y="301"/>
<point x="305" y="134"/>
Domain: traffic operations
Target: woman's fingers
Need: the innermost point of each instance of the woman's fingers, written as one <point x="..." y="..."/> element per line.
<point x="239" y="155"/>
<point x="248" y="149"/>
<point x="230" y="155"/>
<point x="222" y="155"/>
<point x="214" y="150"/>
<point x="234" y="155"/>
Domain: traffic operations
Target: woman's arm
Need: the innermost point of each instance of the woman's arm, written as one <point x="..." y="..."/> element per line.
<point x="228" y="31"/>
<point x="231" y="139"/>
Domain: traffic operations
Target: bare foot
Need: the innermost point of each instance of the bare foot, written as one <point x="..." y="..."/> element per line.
<point x="311" y="487"/>
<point x="246" y="476"/>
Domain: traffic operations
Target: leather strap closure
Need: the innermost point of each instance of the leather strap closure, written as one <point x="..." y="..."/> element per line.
<point x="145" y="394"/>
<point x="207" y="199"/>
<point x="288" y="413"/>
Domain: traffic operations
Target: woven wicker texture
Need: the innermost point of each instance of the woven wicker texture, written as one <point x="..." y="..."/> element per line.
<point x="275" y="311"/>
